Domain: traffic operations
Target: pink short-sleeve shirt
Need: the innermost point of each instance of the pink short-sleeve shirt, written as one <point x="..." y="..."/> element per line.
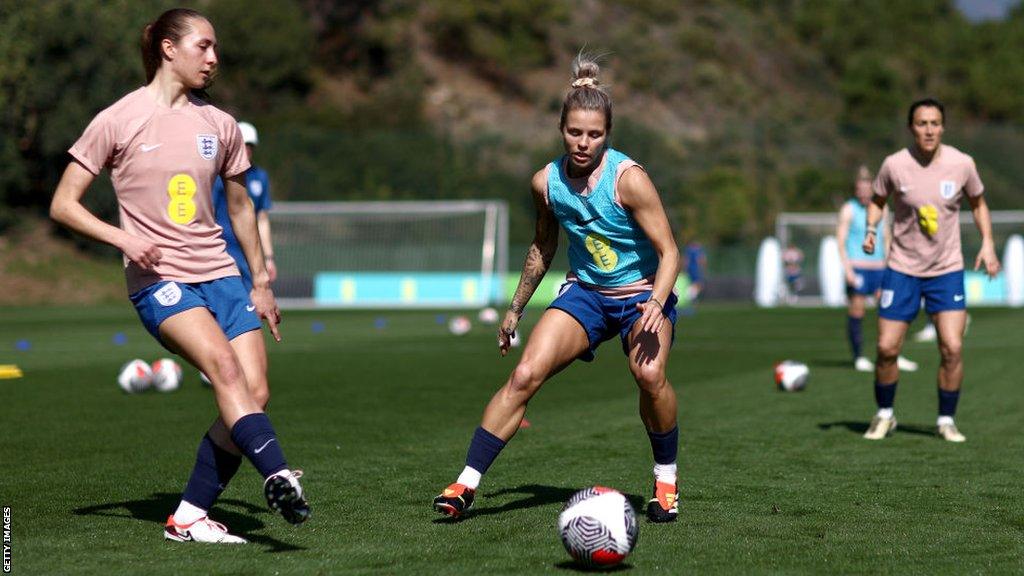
<point x="926" y="209"/>
<point x="163" y="163"/>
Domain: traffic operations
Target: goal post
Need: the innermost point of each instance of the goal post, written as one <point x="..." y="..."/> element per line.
<point x="402" y="254"/>
<point x="812" y="236"/>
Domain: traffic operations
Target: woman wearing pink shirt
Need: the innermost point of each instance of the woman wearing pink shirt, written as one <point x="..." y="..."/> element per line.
<point x="927" y="182"/>
<point x="164" y="147"/>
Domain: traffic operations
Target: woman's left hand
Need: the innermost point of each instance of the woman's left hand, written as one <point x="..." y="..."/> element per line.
<point x="266" y="308"/>
<point x="651" y="315"/>
<point x="987" y="257"/>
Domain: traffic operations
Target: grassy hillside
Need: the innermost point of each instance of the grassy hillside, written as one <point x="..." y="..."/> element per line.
<point x="39" y="268"/>
<point x="738" y="109"/>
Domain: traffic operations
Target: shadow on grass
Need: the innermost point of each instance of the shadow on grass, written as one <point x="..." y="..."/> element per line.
<point x="829" y="363"/>
<point x="238" y="514"/>
<point x="570" y="565"/>
<point x="862" y="427"/>
<point x="534" y="495"/>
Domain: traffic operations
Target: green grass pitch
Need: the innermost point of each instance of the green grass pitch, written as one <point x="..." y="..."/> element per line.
<point x="378" y="408"/>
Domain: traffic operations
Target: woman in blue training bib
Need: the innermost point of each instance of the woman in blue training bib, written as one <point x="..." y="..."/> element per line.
<point x="624" y="264"/>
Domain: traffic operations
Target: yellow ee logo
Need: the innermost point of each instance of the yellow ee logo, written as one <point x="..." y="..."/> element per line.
<point x="181" y="188"/>
<point x="928" y="219"/>
<point x="601" y="249"/>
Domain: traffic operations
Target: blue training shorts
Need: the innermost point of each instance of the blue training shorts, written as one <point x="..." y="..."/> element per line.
<point x="603" y="317"/>
<point x="225" y="298"/>
<point x="867" y="281"/>
<point x="902" y="293"/>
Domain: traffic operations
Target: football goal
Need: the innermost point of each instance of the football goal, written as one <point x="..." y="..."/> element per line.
<point x="429" y="254"/>
<point x="805" y="241"/>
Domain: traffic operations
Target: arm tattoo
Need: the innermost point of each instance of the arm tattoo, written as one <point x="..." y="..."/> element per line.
<point x="538" y="259"/>
<point x="534" y="268"/>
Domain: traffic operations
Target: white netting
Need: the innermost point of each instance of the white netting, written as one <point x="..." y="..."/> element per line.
<point x="806" y="232"/>
<point x="414" y="242"/>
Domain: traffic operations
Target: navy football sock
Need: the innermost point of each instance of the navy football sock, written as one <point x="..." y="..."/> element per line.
<point x="211" y="473"/>
<point x="255" y="437"/>
<point x="885" y="394"/>
<point x="483" y="449"/>
<point x="855" y="334"/>
<point x="947" y="402"/>
<point x="664" y="445"/>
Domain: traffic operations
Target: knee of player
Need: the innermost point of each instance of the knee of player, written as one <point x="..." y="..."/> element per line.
<point x="525" y="378"/>
<point x="951" y="351"/>
<point x="888" y="349"/>
<point x="650" y="377"/>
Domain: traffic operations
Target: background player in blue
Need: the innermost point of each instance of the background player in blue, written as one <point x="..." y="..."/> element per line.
<point x="863" y="272"/>
<point x="258" y="185"/>
<point x="624" y="263"/>
<point x="696" y="261"/>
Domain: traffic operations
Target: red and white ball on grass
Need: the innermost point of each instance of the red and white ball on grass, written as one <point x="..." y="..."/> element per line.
<point x="459" y="325"/>
<point x="488" y="316"/>
<point x="166" y="375"/>
<point x="135" y="376"/>
<point x="791" y="376"/>
<point x="598" y="527"/>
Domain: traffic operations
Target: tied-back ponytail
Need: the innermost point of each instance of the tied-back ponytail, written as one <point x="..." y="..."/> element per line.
<point x="586" y="92"/>
<point x="173" y="25"/>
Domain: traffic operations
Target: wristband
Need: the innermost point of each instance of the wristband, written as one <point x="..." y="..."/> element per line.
<point x="660" y="305"/>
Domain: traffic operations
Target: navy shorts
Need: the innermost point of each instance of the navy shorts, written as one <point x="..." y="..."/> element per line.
<point x="225" y="298"/>
<point x="867" y="281"/>
<point x="603" y="317"/>
<point x="902" y="293"/>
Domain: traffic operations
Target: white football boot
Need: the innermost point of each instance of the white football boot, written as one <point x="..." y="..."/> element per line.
<point x="285" y="495"/>
<point x="949" y="433"/>
<point x="202" y="530"/>
<point x="880" y="428"/>
<point x="926" y="334"/>
<point x="906" y="364"/>
<point x="862" y="364"/>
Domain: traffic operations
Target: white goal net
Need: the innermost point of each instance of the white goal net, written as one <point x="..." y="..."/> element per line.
<point x="811" y="236"/>
<point x="438" y="254"/>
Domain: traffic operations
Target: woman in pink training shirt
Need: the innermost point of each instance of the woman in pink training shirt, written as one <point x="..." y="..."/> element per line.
<point x="927" y="181"/>
<point x="164" y="147"/>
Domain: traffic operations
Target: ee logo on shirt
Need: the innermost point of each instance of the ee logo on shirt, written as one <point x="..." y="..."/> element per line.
<point x="181" y="188"/>
<point x="601" y="249"/>
<point x="928" y="219"/>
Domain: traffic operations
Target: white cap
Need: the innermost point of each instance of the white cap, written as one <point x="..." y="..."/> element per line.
<point x="248" y="133"/>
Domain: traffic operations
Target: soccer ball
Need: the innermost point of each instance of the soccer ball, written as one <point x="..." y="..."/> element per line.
<point x="135" y="376"/>
<point x="598" y="527"/>
<point x="791" y="376"/>
<point x="166" y="375"/>
<point x="488" y="316"/>
<point x="459" y="325"/>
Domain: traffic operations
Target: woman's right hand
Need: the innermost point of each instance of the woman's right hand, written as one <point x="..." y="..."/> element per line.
<point x="142" y="252"/>
<point x="869" y="243"/>
<point x="851" y="276"/>
<point x="507" y="331"/>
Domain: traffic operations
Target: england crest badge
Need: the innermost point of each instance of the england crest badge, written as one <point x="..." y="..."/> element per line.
<point x="948" y="189"/>
<point x="886" y="300"/>
<point x="207" y="144"/>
